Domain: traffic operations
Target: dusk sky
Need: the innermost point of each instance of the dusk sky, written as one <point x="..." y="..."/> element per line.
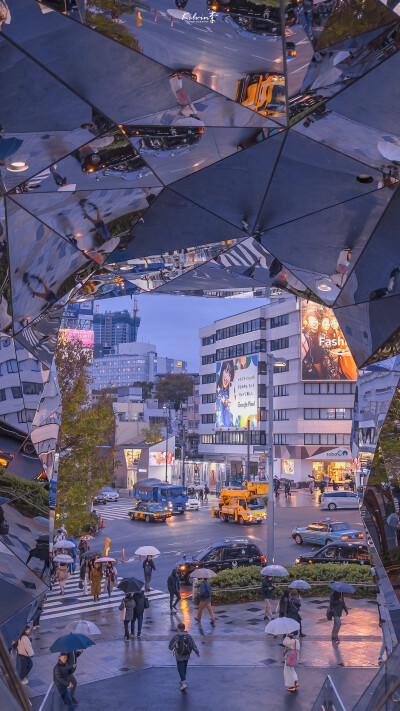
<point x="172" y="322"/>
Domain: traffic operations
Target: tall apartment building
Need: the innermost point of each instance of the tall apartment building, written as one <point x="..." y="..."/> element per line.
<point x="129" y="363"/>
<point x="114" y="327"/>
<point x="312" y="402"/>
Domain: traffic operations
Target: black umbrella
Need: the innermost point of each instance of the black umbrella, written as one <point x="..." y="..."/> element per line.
<point x="131" y="585"/>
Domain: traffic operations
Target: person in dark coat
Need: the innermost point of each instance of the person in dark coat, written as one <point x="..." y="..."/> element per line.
<point x="61" y="678"/>
<point x="293" y="611"/>
<point x="182" y="645"/>
<point x="284" y="603"/>
<point x="267" y="589"/>
<point x="128" y="604"/>
<point x="72" y="658"/>
<point x="174" y="589"/>
<point x="336" y="606"/>
<point x="148" y="567"/>
<point x="140" y="600"/>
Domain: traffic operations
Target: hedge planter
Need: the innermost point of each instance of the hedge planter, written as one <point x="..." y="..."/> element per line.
<point x="226" y="587"/>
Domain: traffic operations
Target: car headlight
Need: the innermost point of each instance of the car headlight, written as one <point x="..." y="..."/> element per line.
<point x="170" y="504"/>
<point x="182" y="567"/>
<point x="297" y="560"/>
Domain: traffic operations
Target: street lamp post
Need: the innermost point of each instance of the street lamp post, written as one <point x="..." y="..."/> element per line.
<point x="165" y="408"/>
<point x="271" y="362"/>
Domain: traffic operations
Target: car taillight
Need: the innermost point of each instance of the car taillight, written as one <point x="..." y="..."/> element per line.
<point x="344" y="537"/>
<point x="359" y="535"/>
<point x="263" y="559"/>
<point x="292" y="53"/>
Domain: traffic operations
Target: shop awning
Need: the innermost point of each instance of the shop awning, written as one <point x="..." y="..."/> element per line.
<point x="366" y="424"/>
<point x="339" y="454"/>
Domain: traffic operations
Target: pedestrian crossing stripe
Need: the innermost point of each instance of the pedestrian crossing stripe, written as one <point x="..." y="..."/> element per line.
<point x="115" y="511"/>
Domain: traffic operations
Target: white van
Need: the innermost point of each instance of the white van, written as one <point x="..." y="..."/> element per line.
<point x="339" y="500"/>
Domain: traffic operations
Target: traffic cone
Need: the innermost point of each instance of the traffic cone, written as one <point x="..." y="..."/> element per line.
<point x="155" y="16"/>
<point x="139" y="19"/>
<point x="172" y="21"/>
<point x="123" y="555"/>
<point x="102" y="523"/>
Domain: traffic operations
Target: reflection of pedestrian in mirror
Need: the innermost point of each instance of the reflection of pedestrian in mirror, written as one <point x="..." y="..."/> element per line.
<point x="47" y="294"/>
<point x="58" y="179"/>
<point x="223" y="413"/>
<point x="101" y="228"/>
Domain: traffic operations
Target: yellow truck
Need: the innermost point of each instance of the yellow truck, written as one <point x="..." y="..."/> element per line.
<point x="257" y="488"/>
<point x="241" y="506"/>
<point x="263" y="93"/>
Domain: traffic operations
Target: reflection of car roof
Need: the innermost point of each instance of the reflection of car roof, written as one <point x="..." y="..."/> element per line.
<point x="345" y="544"/>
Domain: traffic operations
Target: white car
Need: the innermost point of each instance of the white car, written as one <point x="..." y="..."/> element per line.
<point x="192" y="505"/>
<point x="339" y="500"/>
<point x="110" y="494"/>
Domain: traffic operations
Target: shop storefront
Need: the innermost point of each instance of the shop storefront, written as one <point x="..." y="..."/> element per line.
<point x="336" y="465"/>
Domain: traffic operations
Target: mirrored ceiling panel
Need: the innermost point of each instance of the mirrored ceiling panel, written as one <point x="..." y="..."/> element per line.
<point x="44" y="267"/>
<point x="108" y="162"/>
<point x="213" y="280"/>
<point x="40" y="335"/>
<point x="138" y="90"/>
<point x="320" y="248"/>
<point x="5" y="290"/>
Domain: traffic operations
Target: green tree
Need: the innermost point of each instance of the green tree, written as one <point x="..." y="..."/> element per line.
<point x="86" y="438"/>
<point x="174" y="388"/>
<point x="153" y="434"/>
<point x="147" y="388"/>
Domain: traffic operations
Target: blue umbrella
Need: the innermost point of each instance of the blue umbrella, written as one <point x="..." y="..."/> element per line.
<point x="342" y="587"/>
<point x="71" y="642"/>
<point x="300" y="585"/>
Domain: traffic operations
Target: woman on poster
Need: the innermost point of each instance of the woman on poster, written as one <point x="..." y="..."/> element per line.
<point x="225" y="378"/>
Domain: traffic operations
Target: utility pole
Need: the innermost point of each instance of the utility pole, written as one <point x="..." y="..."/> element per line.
<point x="270" y="461"/>
<point x="248" y="451"/>
<point x="183" y="453"/>
<point x="166" y="444"/>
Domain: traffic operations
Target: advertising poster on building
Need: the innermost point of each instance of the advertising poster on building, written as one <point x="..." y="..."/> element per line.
<point x="158" y="458"/>
<point x="237" y="392"/>
<point x="325" y="354"/>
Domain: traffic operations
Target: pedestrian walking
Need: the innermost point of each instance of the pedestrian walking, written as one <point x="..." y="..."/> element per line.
<point x="206" y="493"/>
<point x="293" y="610"/>
<point x="141" y="604"/>
<point x="148" y="567"/>
<point x="277" y="486"/>
<point x="126" y="609"/>
<point x="96" y="575"/>
<point x="311" y="486"/>
<point x="84" y="575"/>
<point x="72" y="658"/>
<point x="25" y="654"/>
<point x="205" y="601"/>
<point x="292" y="649"/>
<point x="267" y="589"/>
<point x="182" y="645"/>
<point x="62" y="575"/>
<point x="82" y="548"/>
<point x="72" y="552"/>
<point x="61" y="679"/>
<point x="335" y="610"/>
<point x="287" y="490"/>
<point x="38" y="612"/>
<point x="174" y="589"/>
<point x="201" y="495"/>
<point x="110" y="578"/>
<point x="283" y="603"/>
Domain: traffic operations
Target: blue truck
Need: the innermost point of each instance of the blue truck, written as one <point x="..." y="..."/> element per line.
<point x="172" y="496"/>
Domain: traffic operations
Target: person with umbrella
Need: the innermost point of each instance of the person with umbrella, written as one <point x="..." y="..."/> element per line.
<point x="267" y="589"/>
<point x="96" y="575"/>
<point x="141" y="602"/>
<point x="83" y="547"/>
<point x="336" y="607"/>
<point x="84" y="574"/>
<point x="292" y="649"/>
<point x="126" y="609"/>
<point x="62" y="682"/>
<point x="293" y="610"/>
<point x="72" y="658"/>
<point x="174" y="589"/>
<point x="148" y="567"/>
<point x="110" y="577"/>
<point x="62" y="575"/>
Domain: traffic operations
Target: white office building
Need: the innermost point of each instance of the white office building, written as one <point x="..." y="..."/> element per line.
<point x="312" y="401"/>
<point x="129" y="363"/>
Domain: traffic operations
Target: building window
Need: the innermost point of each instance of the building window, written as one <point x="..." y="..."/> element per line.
<point x="206" y="360"/>
<point x="210" y="397"/>
<point x="280" y="390"/>
<point x="279" y="321"/>
<point x="238" y="437"/>
<point x="32" y="388"/>
<point x="262" y="390"/>
<point x="208" y="340"/>
<point x="328" y="413"/>
<point x="208" y="419"/>
<point x="326" y="439"/>
<point x="281" y="369"/>
<point x="279" y="344"/>
<point x="256" y="324"/>
<point x="12" y="366"/>
<point x="329" y="388"/>
<point x="16" y="392"/>
<point x="262" y="414"/>
<point x="281" y="415"/>
<point x="280" y="439"/>
<point x="262" y="367"/>
<point x="208" y="378"/>
<point x="241" y="349"/>
<point x="2" y="395"/>
<point x="26" y="415"/>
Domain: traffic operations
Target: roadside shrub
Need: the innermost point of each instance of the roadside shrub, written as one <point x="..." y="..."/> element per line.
<point x="32" y="498"/>
<point x="251" y="576"/>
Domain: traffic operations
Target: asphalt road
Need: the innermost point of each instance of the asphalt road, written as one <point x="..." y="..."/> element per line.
<point x="197" y="529"/>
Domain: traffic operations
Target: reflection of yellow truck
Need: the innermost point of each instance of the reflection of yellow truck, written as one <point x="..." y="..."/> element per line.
<point x="264" y="93"/>
<point x="240" y="505"/>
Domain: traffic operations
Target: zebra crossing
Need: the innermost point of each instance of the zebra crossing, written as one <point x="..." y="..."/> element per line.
<point x="75" y="602"/>
<point x="115" y="511"/>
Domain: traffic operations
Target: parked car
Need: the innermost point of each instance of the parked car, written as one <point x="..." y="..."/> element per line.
<point x="192" y="505"/>
<point x="324" y="532"/>
<point x="339" y="500"/>
<point x="149" y="511"/>
<point x="229" y="553"/>
<point x="100" y="499"/>
<point x="338" y="553"/>
<point x="110" y="493"/>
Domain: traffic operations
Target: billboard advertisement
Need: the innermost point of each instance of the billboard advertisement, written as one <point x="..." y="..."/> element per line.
<point x="74" y="335"/>
<point x="325" y="354"/>
<point x="80" y="310"/>
<point x="237" y="392"/>
<point x="158" y="458"/>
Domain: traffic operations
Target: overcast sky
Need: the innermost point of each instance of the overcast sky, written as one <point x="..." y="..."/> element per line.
<point x="173" y="322"/>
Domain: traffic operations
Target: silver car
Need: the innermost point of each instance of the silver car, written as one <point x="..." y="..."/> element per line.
<point x="339" y="500"/>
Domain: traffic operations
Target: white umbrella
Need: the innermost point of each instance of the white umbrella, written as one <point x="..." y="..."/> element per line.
<point x="86" y="627"/>
<point x="64" y="544"/>
<point x="282" y="625"/>
<point x="300" y="585"/>
<point x="63" y="558"/>
<point x="147" y="550"/>
<point x="106" y="560"/>
<point x="203" y="573"/>
<point x="275" y="571"/>
<point x="87" y="538"/>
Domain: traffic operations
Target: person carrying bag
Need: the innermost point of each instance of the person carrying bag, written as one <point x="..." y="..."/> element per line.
<point x="126" y="614"/>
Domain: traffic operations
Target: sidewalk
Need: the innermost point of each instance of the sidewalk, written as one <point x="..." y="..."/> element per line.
<point x="145" y="666"/>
